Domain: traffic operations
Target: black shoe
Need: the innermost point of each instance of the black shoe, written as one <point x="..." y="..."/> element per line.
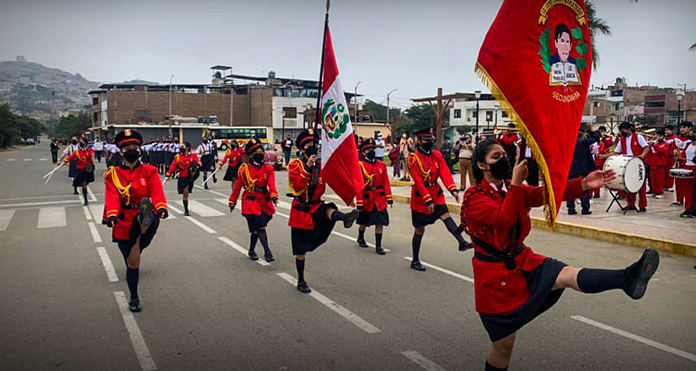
<point x="587" y="212"/>
<point x="687" y="214"/>
<point x="595" y="196"/>
<point x="572" y="212"/>
<point x="417" y="266"/>
<point x="75" y="193"/>
<point x="146" y="214"/>
<point x="269" y="257"/>
<point x="380" y="250"/>
<point x="642" y="210"/>
<point x="350" y="218"/>
<point x="206" y="186"/>
<point x="303" y="288"/>
<point x="677" y="204"/>
<point x="362" y="243"/>
<point x="214" y="179"/>
<point x="463" y="246"/>
<point x="187" y="213"/>
<point x="134" y="306"/>
<point x="86" y="202"/>
<point x="631" y="208"/>
<point x="253" y="256"/>
<point x="638" y="274"/>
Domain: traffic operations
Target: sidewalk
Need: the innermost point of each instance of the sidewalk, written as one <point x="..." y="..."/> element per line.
<point x="660" y="227"/>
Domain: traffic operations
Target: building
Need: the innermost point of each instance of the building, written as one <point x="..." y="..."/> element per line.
<point x="464" y="112"/>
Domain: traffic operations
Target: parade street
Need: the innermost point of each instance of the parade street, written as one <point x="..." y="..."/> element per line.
<point x="206" y="306"/>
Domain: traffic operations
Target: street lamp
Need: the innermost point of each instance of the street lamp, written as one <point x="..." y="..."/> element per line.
<point x="170" y="106"/>
<point x="680" y="95"/>
<point x="356" y="101"/>
<point x="388" y="94"/>
<point x="477" y="94"/>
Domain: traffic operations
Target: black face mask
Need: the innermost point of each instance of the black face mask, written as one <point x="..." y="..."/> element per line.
<point x="311" y="151"/>
<point x="257" y="158"/>
<point x="500" y="169"/>
<point x="427" y="146"/>
<point x="624" y="134"/>
<point x="370" y="155"/>
<point x="74" y="142"/>
<point x="182" y="150"/>
<point x="131" y="155"/>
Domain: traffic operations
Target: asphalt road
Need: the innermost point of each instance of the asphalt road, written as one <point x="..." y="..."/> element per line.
<point x="207" y="307"/>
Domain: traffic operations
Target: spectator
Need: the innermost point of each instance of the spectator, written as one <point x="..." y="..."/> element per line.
<point x="394" y="155"/>
<point x="446" y="150"/>
<point x="379" y="147"/>
<point x="287" y="148"/>
<point x="582" y="165"/>
<point x="405" y="149"/>
<point x="98" y="149"/>
<point x="54" y="150"/>
<point x="465" y="148"/>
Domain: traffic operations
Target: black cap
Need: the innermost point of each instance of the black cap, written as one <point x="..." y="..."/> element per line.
<point x="127" y="137"/>
<point x="687" y="124"/>
<point x="252" y="145"/>
<point x="305" y="137"/>
<point x="425" y="133"/>
<point x="367" y="144"/>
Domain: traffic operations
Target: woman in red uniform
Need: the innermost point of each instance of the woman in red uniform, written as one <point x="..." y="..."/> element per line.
<point x="134" y="203"/>
<point x="187" y="164"/>
<point x="84" y="157"/>
<point x="311" y="219"/>
<point x="233" y="157"/>
<point x="513" y="285"/>
<point x="373" y="200"/>
<point x="259" y="198"/>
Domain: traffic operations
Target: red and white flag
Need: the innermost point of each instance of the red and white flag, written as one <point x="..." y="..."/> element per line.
<point x="340" y="167"/>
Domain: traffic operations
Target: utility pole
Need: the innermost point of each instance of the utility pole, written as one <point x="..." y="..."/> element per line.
<point x="170" y="106"/>
<point x="356" y="101"/>
<point x="388" y="94"/>
<point x="440" y="109"/>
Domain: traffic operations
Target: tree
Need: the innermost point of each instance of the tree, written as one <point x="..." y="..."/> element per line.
<point x="379" y="111"/>
<point x="13" y="127"/>
<point x="597" y="26"/>
<point x="73" y="126"/>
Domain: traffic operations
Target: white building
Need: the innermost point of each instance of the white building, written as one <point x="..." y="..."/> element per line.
<point x="463" y="114"/>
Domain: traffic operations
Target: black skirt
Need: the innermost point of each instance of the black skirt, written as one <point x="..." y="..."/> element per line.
<point x="72" y="168"/>
<point x="83" y="176"/>
<point x="541" y="298"/>
<point x="306" y="240"/>
<point x="207" y="163"/>
<point x="126" y="245"/>
<point x="421" y="220"/>
<point x="181" y="185"/>
<point x="231" y="173"/>
<point x="374" y="217"/>
<point x="256" y="222"/>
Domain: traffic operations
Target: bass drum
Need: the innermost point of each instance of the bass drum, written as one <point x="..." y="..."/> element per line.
<point x="630" y="173"/>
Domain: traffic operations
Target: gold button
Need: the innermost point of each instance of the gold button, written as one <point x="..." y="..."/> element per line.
<point x="502" y="284"/>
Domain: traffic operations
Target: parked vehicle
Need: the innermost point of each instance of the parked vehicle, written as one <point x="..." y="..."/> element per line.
<point x="30" y="142"/>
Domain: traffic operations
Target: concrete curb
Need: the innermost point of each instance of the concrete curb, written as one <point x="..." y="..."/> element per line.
<point x="595" y="233"/>
<point x="399" y="183"/>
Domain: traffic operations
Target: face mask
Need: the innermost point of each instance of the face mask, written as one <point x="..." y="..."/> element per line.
<point x="258" y="158"/>
<point x="83" y="145"/>
<point x="501" y="169"/>
<point x="74" y="142"/>
<point x="131" y="155"/>
<point x="624" y="134"/>
<point x="182" y="150"/>
<point x="370" y="155"/>
<point x="427" y="146"/>
<point x="311" y="151"/>
<point x="205" y="141"/>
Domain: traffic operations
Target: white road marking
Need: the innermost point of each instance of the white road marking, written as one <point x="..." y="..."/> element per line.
<point x="51" y="217"/>
<point x="88" y="216"/>
<point x="40" y="203"/>
<point x="343" y="312"/>
<point x="418" y="359"/>
<point x="174" y="209"/>
<point x="141" y="351"/>
<point x="640" y="339"/>
<point x="201" y="209"/>
<point x="201" y="225"/>
<point x="91" y="196"/>
<point x="97" y="211"/>
<point x="108" y="265"/>
<point x="95" y="233"/>
<point x="284" y="205"/>
<point x="33" y="198"/>
<point x="244" y="252"/>
<point x="10" y="160"/>
<point x="443" y="270"/>
<point x="43" y="159"/>
<point x="223" y="201"/>
<point x="26" y="159"/>
<point x="5" y="217"/>
<point x="214" y="192"/>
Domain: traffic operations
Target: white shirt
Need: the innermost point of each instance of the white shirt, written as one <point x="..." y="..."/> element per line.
<point x="629" y="152"/>
<point x="504" y="187"/>
<point x="690" y="153"/>
<point x="70" y="149"/>
<point x="204" y="149"/>
<point x="379" y="152"/>
<point x="98" y="145"/>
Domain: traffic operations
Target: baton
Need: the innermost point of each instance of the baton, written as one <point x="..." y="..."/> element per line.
<point x="52" y="171"/>
<point x="211" y="176"/>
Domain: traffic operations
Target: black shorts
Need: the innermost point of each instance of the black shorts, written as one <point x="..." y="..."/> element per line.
<point x="182" y="184"/>
<point x="374" y="217"/>
<point x="231" y="173"/>
<point x="126" y="245"/>
<point x="256" y="222"/>
<point x="306" y="240"/>
<point x="421" y="220"/>
<point x="541" y="298"/>
<point x="83" y="176"/>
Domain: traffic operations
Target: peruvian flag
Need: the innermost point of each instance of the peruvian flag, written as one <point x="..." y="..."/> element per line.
<point x="339" y="166"/>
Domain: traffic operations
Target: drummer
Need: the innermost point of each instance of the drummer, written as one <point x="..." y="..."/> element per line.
<point x="688" y="158"/>
<point x="637" y="147"/>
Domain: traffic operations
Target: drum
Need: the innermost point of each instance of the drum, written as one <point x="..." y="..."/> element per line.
<point x="681" y="173"/>
<point x="630" y="173"/>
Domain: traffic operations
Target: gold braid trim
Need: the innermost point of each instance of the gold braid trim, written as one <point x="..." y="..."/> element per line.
<point x="124" y="192"/>
<point x="425" y="174"/>
<point x="368" y="178"/>
<point x="250" y="182"/>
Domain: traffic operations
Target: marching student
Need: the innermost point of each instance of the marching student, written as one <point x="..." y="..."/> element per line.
<point x="426" y="166"/>
<point x="233" y="157"/>
<point x="601" y="152"/>
<point x="670" y="138"/>
<point x="72" y="166"/>
<point x="205" y="150"/>
<point x="512" y="284"/>
<point x="637" y="147"/>
<point x="134" y="203"/>
<point x="259" y="198"/>
<point x="84" y="167"/>
<point x="658" y="160"/>
<point x="372" y="201"/>
<point x="687" y="157"/>
<point x="186" y="164"/>
<point x="681" y="142"/>
<point x="311" y="219"/>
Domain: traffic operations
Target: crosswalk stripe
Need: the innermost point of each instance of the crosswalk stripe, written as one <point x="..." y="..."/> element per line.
<point x="10" y="160"/>
<point x="26" y="159"/>
<point x="5" y="217"/>
<point x="201" y="209"/>
<point x="51" y="217"/>
<point x="43" y="159"/>
<point x="97" y="211"/>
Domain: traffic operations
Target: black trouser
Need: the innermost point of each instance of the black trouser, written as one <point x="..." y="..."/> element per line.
<point x="98" y="155"/>
<point x="55" y="156"/>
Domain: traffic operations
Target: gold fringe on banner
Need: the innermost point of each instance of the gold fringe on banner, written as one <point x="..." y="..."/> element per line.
<point x="549" y="197"/>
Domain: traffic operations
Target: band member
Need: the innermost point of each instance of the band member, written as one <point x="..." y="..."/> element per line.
<point x="72" y="166"/>
<point x="427" y="199"/>
<point x="601" y="151"/>
<point x="513" y="285"/>
<point x="311" y="219"/>
<point x="670" y="137"/>
<point x="373" y="200"/>
<point x="134" y="203"/>
<point x="84" y="165"/>
<point x="637" y="147"/>
<point x="205" y="149"/>
<point x="259" y="198"/>
<point x="681" y="142"/>
<point x="688" y="158"/>
<point x="658" y="160"/>
<point x="186" y="164"/>
<point x="233" y="157"/>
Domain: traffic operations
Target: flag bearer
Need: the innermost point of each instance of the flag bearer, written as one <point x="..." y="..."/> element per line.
<point x="374" y="198"/>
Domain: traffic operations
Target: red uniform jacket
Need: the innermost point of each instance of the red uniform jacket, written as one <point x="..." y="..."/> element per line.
<point x="658" y="155"/>
<point x="425" y="171"/>
<point x="377" y="192"/>
<point x="259" y="189"/>
<point x="490" y="218"/>
<point x="300" y="179"/>
<point x="126" y="187"/>
<point x="233" y="156"/>
<point x="83" y="157"/>
<point x="636" y="148"/>
<point x="604" y="148"/>
<point x="183" y="163"/>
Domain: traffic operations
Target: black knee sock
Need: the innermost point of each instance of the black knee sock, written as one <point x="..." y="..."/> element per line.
<point x="493" y="368"/>
<point x="361" y="235"/>
<point x="186" y="205"/>
<point x="252" y="243"/>
<point x="415" y="245"/>
<point x="263" y="237"/>
<point x="592" y="281"/>
<point x="299" y="264"/>
<point x="452" y="228"/>
<point x="84" y="193"/>
<point x="75" y="189"/>
<point x="337" y="215"/>
<point x="132" y="276"/>
<point x="378" y="239"/>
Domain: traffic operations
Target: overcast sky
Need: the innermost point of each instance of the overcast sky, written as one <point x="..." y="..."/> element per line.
<point x="414" y="46"/>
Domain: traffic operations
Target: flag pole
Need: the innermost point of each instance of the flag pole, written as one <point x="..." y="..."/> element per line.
<point x="321" y="68"/>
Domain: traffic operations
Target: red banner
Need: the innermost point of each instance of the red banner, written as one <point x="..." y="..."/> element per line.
<point x="537" y="59"/>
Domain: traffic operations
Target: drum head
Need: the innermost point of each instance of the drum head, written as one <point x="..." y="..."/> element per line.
<point x="634" y="175"/>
